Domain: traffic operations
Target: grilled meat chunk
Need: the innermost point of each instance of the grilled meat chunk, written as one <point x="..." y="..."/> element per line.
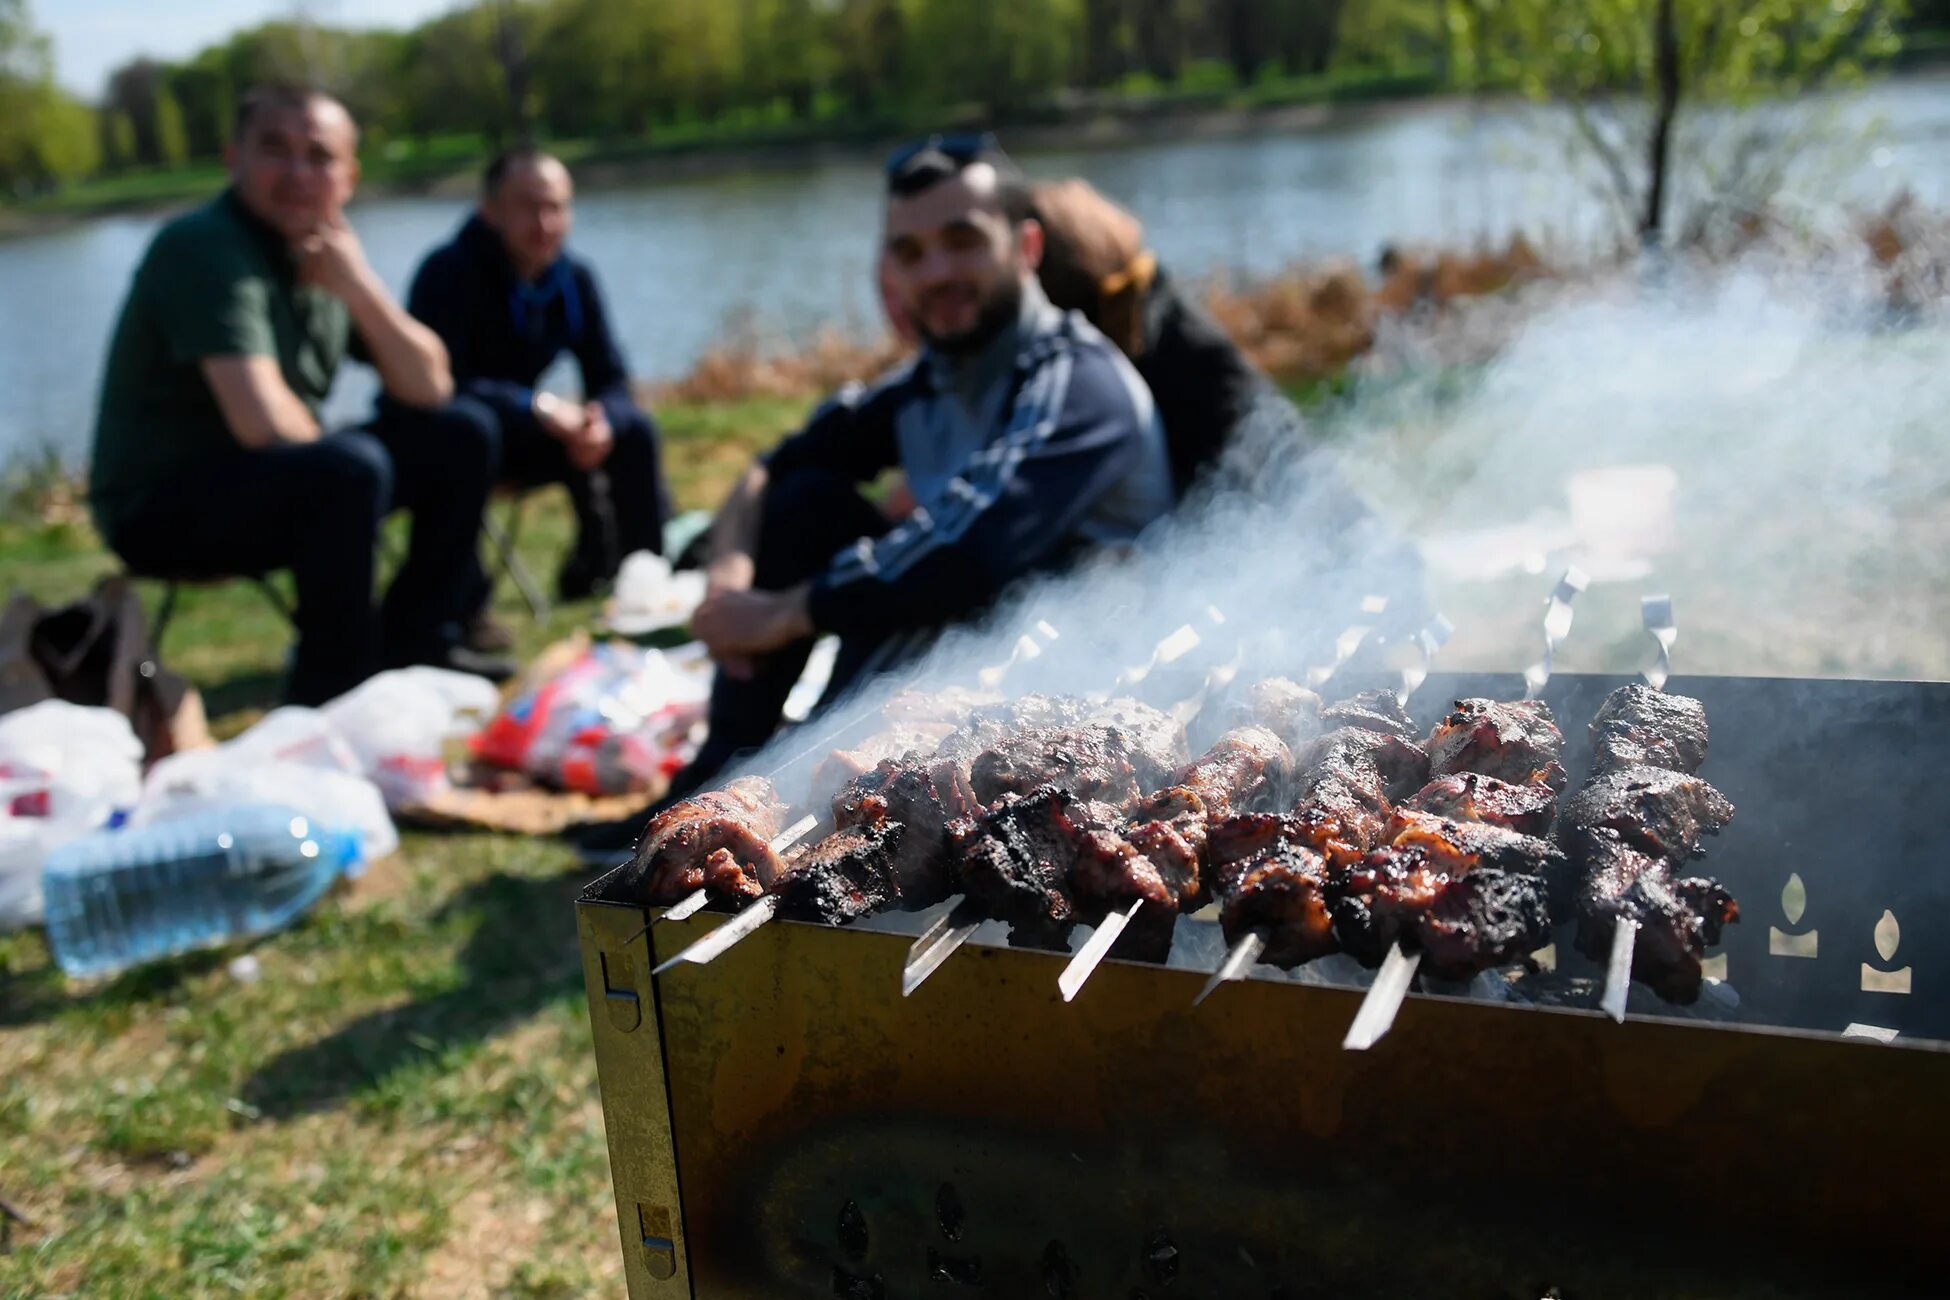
<point x="1284" y="707"/>
<point x="1091" y="762"/>
<point x="1015" y="860"/>
<point x="1640" y="727"/>
<point x="1158" y="851"/>
<point x="1462" y="923"/>
<point x="1634" y="825"/>
<point x="1268" y="879"/>
<point x="1463" y="847"/>
<point x="843" y="765"/>
<point x="718" y="840"/>
<point x="847" y="875"/>
<point x="1661" y="813"/>
<point x="1350" y="777"/>
<point x="1515" y="740"/>
<point x="924" y="796"/>
<point x="1677" y="919"/>
<point x="1471" y="797"/>
<point x="1378" y="711"/>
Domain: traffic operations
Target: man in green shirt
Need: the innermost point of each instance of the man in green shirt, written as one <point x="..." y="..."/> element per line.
<point x="209" y="459"/>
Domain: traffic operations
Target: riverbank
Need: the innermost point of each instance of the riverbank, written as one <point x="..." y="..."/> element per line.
<point x="449" y="165"/>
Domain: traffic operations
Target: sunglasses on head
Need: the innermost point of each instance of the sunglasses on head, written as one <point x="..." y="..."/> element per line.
<point x="960" y="148"/>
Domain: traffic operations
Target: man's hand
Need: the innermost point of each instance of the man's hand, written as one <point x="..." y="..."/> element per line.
<point x="590" y="447"/>
<point x="559" y="419"/>
<point x="332" y="258"/>
<point x="732" y="571"/>
<point x="740" y="624"/>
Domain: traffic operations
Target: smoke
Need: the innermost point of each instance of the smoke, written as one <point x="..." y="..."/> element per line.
<point x="1759" y="441"/>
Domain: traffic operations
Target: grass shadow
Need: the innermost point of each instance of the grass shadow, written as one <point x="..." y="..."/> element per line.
<point x="44" y="992"/>
<point x="520" y="958"/>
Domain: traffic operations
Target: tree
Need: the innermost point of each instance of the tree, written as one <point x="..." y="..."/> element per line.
<point x="1629" y="71"/>
<point x="45" y="136"/>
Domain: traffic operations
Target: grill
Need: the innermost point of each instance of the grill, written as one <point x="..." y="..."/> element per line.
<point x="783" y="1122"/>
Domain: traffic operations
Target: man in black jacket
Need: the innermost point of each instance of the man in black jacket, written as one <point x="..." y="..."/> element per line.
<point x="507" y="299"/>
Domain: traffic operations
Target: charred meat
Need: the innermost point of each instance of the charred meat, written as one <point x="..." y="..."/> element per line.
<point x="1515" y="740"/>
<point x="1015" y="860"/>
<point x="1158" y="851"/>
<point x="1631" y="829"/>
<point x="849" y="874"/>
<point x="1664" y="814"/>
<point x="1350" y="777"/>
<point x="924" y="796"/>
<point x="1378" y="711"/>
<point x="1640" y="727"/>
<point x="719" y="840"/>
<point x="1462" y="924"/>
<point x="1092" y="762"/>
<point x="1268" y="879"/>
<point x="1678" y="919"/>
<point x="1471" y="797"/>
<point x="1284" y="707"/>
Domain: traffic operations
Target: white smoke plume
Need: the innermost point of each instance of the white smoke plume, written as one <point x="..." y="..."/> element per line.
<point x="1762" y="442"/>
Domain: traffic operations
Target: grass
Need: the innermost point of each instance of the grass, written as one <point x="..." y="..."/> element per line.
<point x="402" y="1102"/>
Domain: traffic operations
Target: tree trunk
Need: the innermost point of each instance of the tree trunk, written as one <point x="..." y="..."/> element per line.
<point x="511" y="52"/>
<point x="1665" y="54"/>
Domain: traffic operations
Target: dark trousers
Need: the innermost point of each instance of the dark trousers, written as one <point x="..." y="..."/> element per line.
<point x="621" y="506"/>
<point x="807" y="518"/>
<point x="315" y="509"/>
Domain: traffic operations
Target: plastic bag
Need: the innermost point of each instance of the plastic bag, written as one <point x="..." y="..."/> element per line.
<point x="65" y="770"/>
<point x="398" y="724"/>
<point x="649" y="597"/>
<point x="609" y="722"/>
<point x="232" y="775"/>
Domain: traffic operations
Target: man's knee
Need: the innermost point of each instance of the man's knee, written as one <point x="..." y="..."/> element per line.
<point x="355" y="471"/>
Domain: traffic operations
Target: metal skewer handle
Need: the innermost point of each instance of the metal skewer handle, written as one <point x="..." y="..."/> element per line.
<point x="1655" y="612"/>
<point x="1557" y="626"/>
<point x="1428" y="643"/>
<point x="1348" y="642"/>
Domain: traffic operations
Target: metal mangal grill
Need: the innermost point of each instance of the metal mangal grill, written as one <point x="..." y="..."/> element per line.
<point x="784" y="1123"/>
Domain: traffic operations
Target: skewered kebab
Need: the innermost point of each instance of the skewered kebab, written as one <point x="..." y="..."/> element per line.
<point x="718" y="841"/>
<point x="1639" y="818"/>
<point x="1153" y="863"/>
<point x="1456" y="871"/>
<point x="861" y="868"/>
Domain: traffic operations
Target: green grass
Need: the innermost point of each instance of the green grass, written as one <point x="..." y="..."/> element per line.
<point x="404" y="1102"/>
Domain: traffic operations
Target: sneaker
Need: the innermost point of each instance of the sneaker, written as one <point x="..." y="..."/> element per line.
<point x="488" y="635"/>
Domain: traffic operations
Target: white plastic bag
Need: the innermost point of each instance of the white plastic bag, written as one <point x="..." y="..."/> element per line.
<point x="199" y="780"/>
<point x="398" y="723"/>
<point x="65" y="769"/>
<point x="649" y="597"/>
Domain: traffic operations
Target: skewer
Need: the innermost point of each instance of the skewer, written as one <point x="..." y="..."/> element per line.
<point x="1655" y="614"/>
<point x="1091" y="955"/>
<point x="1433" y="636"/>
<point x="938" y="943"/>
<point x="1618" y="969"/>
<point x="1348" y="642"/>
<point x="1242" y="955"/>
<point x="1378" y="1010"/>
<point x="1557" y="626"/>
<point x="714" y="944"/>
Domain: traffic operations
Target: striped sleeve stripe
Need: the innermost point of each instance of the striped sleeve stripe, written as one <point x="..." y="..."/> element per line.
<point x="987" y="476"/>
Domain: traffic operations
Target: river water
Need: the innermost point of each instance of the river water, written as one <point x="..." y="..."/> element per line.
<point x="784" y="250"/>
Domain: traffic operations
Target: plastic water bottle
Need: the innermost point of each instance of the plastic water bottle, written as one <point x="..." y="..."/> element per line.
<point x="116" y="900"/>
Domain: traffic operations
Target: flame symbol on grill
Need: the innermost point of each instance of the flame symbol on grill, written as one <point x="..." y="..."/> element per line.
<point x="1794" y="898"/>
<point x="1888" y="935"/>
